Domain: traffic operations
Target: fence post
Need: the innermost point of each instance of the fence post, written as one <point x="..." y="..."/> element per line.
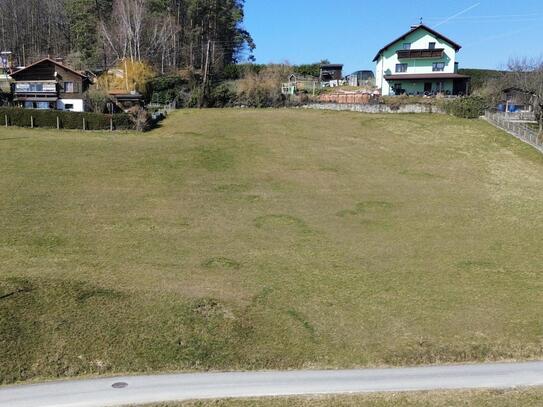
<point x="6" y="119"/>
<point x="111" y="123"/>
<point x="84" y="125"/>
<point x="58" y="123"/>
<point x="31" y="121"/>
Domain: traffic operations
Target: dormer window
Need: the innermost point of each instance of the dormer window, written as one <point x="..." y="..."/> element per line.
<point x="406" y="46"/>
<point x="432" y="45"/>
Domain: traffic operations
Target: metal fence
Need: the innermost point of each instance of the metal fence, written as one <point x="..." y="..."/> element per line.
<point x="518" y="129"/>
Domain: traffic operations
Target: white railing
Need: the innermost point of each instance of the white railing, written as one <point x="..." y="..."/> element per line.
<point x="517" y="129"/>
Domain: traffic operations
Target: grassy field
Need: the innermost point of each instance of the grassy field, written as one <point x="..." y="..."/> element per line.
<point x="271" y="239"/>
<point x="483" y="398"/>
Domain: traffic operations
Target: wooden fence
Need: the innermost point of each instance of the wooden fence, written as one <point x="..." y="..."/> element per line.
<point x="517" y="129"/>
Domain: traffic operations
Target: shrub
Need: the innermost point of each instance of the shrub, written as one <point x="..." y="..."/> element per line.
<point x="470" y="107"/>
<point x="222" y="95"/>
<point x="141" y="118"/>
<point x="67" y="120"/>
<point x="193" y="99"/>
<point x="97" y="100"/>
<point x="263" y="89"/>
<point x="167" y="89"/>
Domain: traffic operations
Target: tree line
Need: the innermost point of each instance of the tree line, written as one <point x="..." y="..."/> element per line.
<point x="197" y="35"/>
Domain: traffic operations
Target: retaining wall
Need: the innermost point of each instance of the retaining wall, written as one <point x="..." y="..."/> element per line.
<point x="411" y="108"/>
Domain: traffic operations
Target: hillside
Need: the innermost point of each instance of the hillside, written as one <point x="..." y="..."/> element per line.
<point x="268" y="239"/>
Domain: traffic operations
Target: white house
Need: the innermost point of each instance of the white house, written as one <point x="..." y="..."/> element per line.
<point x="421" y="61"/>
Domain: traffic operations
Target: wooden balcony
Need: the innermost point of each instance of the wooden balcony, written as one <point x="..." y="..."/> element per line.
<point x="421" y="53"/>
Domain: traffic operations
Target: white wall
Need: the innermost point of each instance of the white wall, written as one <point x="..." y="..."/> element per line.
<point x="78" y="104"/>
<point x="420" y="39"/>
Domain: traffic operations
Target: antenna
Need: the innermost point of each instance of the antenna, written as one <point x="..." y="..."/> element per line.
<point x="421" y="21"/>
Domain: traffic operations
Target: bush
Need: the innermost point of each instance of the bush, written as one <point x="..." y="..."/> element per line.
<point x="167" y="89"/>
<point x="264" y="89"/>
<point x="471" y="107"/>
<point x="222" y="95"/>
<point x="140" y="118"/>
<point x="68" y="120"/>
<point x="97" y="100"/>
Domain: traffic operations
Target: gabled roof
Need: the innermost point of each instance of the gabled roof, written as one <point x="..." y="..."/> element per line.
<point x="13" y="75"/>
<point x="456" y="46"/>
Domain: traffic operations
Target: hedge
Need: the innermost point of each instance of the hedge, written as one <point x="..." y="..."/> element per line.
<point x="68" y="120"/>
<point x="471" y="107"/>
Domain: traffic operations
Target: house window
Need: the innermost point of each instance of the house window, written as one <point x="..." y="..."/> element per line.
<point x="406" y="46"/>
<point x="68" y="87"/>
<point x="42" y="105"/>
<point x="432" y="45"/>
<point x="36" y="87"/>
<point x="401" y="67"/>
<point x="438" y="66"/>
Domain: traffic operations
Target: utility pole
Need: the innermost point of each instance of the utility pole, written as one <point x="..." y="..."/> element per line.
<point x="206" y="74"/>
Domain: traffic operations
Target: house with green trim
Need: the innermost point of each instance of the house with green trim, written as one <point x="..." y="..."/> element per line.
<point x="420" y="62"/>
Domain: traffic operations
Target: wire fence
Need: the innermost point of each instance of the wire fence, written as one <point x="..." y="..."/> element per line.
<point x="517" y="129"/>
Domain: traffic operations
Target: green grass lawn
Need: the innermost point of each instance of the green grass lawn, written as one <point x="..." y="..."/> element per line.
<point x="268" y="239"/>
<point x="479" y="398"/>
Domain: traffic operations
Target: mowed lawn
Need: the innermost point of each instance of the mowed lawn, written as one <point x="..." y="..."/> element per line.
<point x="268" y="239"/>
<point x="479" y="398"/>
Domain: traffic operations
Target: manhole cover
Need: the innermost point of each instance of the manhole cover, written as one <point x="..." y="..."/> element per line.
<point x="119" y="385"/>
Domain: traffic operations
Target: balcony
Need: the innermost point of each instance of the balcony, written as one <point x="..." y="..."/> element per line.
<point x="38" y="91"/>
<point x="421" y="53"/>
<point x="42" y="88"/>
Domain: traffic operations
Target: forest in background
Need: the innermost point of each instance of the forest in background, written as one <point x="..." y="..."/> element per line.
<point x="95" y="34"/>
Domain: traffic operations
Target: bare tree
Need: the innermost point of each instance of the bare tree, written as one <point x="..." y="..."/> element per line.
<point x="169" y="34"/>
<point x="526" y="74"/>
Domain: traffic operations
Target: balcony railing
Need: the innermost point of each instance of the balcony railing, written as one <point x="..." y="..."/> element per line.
<point x="36" y="87"/>
<point x="421" y="53"/>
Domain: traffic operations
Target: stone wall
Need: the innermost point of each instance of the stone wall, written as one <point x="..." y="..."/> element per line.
<point x="378" y="108"/>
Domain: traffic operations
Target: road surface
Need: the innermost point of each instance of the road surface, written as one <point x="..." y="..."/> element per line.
<point x="120" y="391"/>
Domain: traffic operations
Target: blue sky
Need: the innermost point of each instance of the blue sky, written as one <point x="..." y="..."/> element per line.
<point x="352" y="31"/>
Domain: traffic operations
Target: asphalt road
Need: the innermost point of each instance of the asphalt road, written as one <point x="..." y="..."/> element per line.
<point x="160" y="388"/>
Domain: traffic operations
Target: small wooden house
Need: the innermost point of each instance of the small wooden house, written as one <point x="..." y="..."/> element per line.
<point x="331" y="72"/>
<point x="49" y="84"/>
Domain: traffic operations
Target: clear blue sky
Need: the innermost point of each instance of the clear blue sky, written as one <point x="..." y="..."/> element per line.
<point x="352" y="31"/>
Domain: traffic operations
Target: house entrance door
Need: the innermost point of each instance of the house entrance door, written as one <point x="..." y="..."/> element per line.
<point x="427" y="87"/>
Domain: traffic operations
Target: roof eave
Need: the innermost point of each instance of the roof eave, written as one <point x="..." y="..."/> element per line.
<point x="457" y="47"/>
<point x="50" y="60"/>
